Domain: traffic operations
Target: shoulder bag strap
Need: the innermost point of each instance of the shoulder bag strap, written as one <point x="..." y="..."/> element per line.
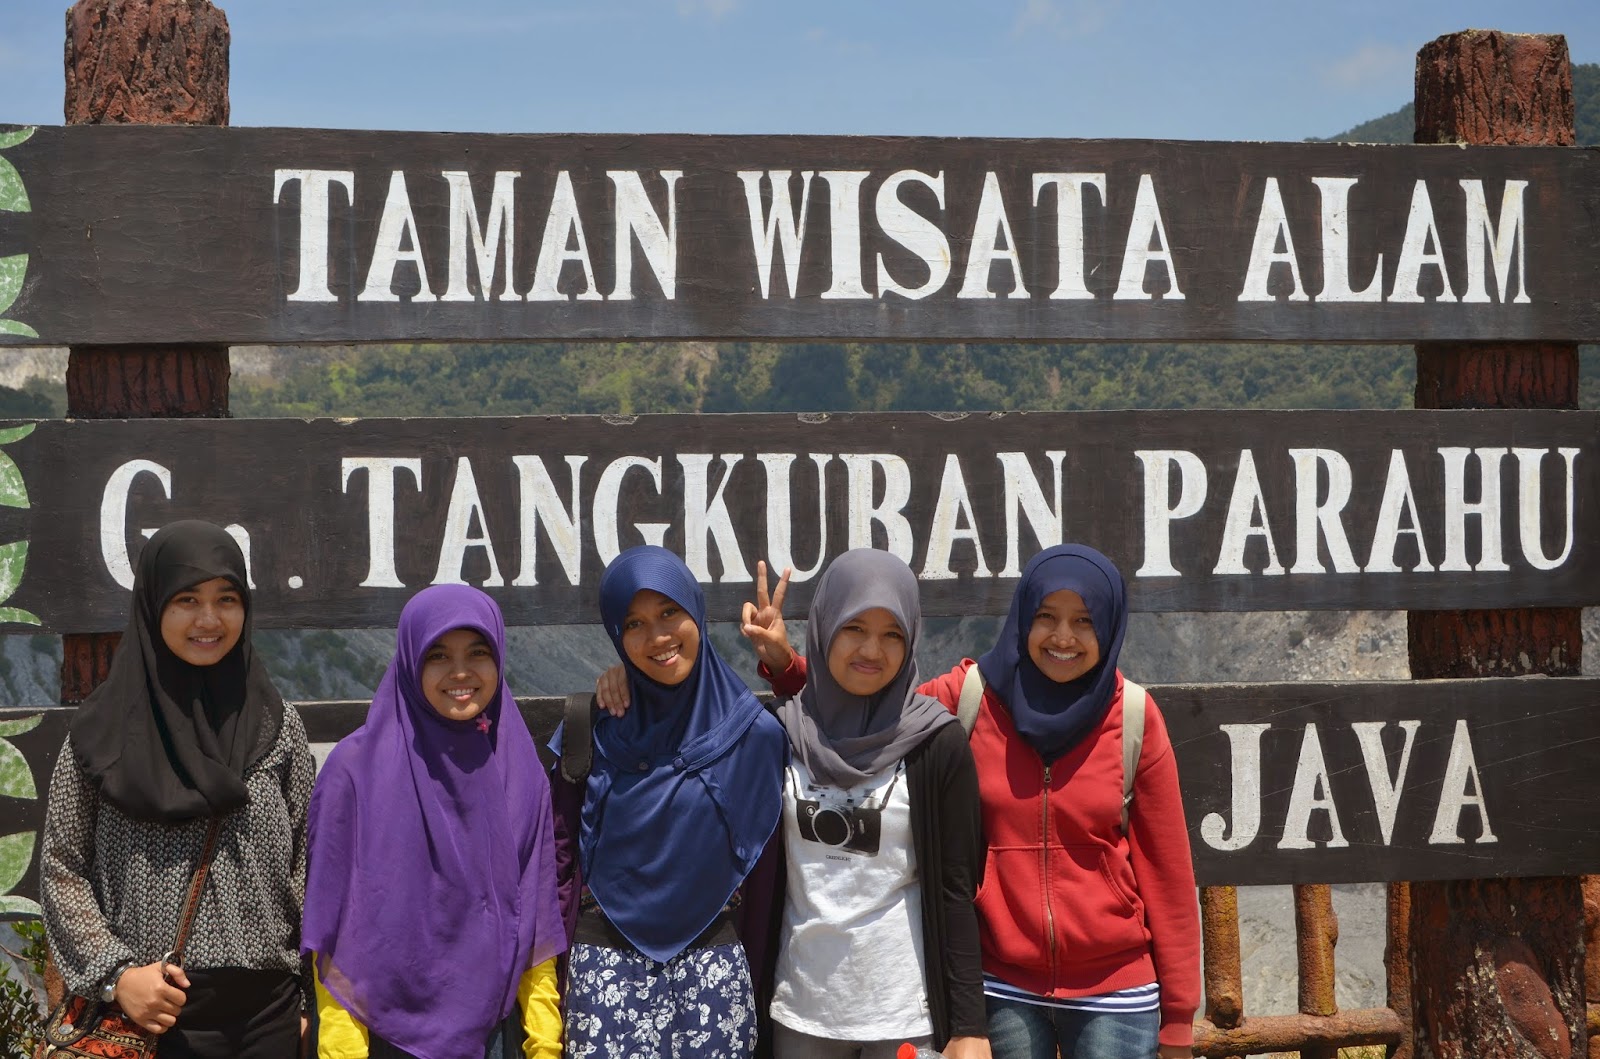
<point x="971" y="698"/>
<point x="577" y="737"/>
<point x="192" y="901"/>
<point x="1133" y="701"/>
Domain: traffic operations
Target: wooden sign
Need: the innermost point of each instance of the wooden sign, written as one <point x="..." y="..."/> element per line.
<point x="1282" y="783"/>
<point x="125" y="234"/>
<point x="1202" y="511"/>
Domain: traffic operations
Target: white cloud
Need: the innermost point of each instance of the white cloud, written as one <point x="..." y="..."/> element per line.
<point x="1370" y="66"/>
<point x="1065" y="18"/>
<point x="715" y="10"/>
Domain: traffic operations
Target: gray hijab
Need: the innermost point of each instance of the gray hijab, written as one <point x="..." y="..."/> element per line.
<point x="846" y="739"/>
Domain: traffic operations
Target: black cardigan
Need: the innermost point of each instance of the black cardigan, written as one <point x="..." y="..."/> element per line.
<point x="947" y="837"/>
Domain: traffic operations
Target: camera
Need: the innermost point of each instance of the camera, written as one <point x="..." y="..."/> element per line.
<point x="856" y="828"/>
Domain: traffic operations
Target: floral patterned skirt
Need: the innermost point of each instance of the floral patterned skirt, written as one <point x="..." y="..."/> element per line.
<point x="623" y="1005"/>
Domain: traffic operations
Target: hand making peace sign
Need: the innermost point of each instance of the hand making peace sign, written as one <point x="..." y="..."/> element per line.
<point x="763" y="622"/>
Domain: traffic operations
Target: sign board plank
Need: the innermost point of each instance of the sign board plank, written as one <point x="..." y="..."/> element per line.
<point x="1283" y="783"/>
<point x="1202" y="511"/>
<point x="124" y="234"/>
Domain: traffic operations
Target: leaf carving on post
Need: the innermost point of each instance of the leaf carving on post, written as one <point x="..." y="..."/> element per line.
<point x="13" y="199"/>
<point x="16" y="850"/>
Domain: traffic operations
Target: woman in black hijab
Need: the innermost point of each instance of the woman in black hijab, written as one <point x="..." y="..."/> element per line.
<point x="186" y="729"/>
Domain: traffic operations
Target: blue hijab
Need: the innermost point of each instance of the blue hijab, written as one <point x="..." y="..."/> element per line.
<point x="1052" y="718"/>
<point x="686" y="788"/>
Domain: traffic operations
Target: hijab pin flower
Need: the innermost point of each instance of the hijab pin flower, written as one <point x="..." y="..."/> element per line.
<point x="483" y="724"/>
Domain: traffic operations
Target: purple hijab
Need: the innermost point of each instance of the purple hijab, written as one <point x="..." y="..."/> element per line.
<point x="431" y="885"/>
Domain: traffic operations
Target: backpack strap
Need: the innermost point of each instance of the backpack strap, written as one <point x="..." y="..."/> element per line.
<point x="971" y="699"/>
<point x="1133" y="703"/>
<point x="577" y="737"/>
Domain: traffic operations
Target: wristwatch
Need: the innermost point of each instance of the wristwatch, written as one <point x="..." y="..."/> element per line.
<point x="108" y="992"/>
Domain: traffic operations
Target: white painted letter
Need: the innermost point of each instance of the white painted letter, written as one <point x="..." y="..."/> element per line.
<point x="1530" y="497"/>
<point x="1138" y="254"/>
<point x="1309" y="515"/>
<point x="1069" y="227"/>
<point x="1310" y="776"/>
<point x="636" y="217"/>
<point x="114" y="515"/>
<point x="863" y="512"/>
<point x="703" y="518"/>
<point x="314" y="201"/>
<point x="844" y="219"/>
<point x="780" y="225"/>
<point x="990" y="226"/>
<point x="1481" y="236"/>
<point x="1397" y="501"/>
<point x="1244" y="746"/>
<point x="499" y="230"/>
<point x="914" y="232"/>
<point x="1453" y="796"/>
<point x="560" y="228"/>
<point x="380" y="512"/>
<point x="1420" y="231"/>
<point x="607" y="495"/>
<point x="1456" y="510"/>
<point x="1024" y="496"/>
<point x="1336" y="245"/>
<point x="780" y="520"/>
<point x="1241" y="525"/>
<point x="953" y="505"/>
<point x="464" y="506"/>
<point x="1385" y="792"/>
<point x="1270" y="226"/>
<point x="396" y="226"/>
<point x="1159" y="512"/>
<point x="540" y="503"/>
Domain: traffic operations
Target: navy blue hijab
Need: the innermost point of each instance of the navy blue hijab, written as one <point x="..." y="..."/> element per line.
<point x="1052" y="718"/>
<point x="686" y="788"/>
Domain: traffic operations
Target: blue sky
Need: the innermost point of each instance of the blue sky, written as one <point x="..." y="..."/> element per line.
<point x="1242" y="70"/>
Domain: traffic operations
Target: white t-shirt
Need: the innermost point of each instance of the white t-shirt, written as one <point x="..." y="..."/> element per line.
<point x="850" y="963"/>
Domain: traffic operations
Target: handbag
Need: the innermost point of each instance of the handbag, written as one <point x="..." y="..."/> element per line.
<point x="85" y="1028"/>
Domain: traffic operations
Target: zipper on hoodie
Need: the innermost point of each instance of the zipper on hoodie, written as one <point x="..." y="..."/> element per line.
<point x="1044" y="871"/>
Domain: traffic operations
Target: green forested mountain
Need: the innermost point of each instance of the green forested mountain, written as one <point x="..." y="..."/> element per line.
<point x="434" y="380"/>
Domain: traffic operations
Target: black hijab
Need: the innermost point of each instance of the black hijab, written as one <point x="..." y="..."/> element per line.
<point x="162" y="739"/>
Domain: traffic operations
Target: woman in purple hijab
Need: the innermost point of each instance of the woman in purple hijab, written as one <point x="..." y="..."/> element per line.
<point x="431" y="910"/>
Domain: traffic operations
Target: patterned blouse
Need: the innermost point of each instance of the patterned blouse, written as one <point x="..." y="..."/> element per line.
<point x="113" y="887"/>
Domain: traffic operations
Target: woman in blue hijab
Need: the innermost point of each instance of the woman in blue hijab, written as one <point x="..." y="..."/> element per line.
<point x="658" y="840"/>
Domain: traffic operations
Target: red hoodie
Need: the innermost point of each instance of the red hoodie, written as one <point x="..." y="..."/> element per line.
<point x="1070" y="906"/>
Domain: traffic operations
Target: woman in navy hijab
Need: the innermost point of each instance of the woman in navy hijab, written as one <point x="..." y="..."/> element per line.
<point x="658" y="842"/>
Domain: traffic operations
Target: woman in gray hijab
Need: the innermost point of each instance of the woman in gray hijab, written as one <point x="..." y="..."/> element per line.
<point x="882" y="839"/>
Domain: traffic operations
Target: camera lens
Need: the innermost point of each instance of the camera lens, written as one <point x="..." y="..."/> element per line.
<point x="831" y="826"/>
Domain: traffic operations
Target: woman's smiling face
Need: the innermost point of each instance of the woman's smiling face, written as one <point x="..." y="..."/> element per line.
<point x="459" y="674"/>
<point x="660" y="638"/>
<point x="202" y="623"/>
<point x="1062" y="640"/>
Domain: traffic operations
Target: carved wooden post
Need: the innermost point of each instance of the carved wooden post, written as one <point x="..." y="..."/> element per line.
<point x="146" y="62"/>
<point x="1496" y="965"/>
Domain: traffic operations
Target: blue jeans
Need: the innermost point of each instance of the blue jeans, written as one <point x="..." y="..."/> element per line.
<point x="1030" y="1031"/>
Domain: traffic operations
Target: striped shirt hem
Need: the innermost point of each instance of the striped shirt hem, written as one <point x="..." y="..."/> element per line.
<point x="1134" y="999"/>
